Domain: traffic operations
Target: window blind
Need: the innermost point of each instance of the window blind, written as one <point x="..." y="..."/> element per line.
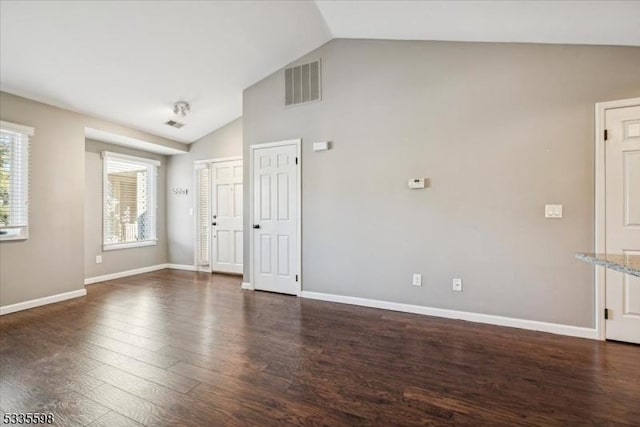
<point x="14" y="181"/>
<point x="129" y="211"/>
<point x="203" y="216"/>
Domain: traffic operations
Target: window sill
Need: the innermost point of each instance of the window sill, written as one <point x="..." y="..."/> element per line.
<point x="116" y="246"/>
<point x="17" y="233"/>
<point x="12" y="238"/>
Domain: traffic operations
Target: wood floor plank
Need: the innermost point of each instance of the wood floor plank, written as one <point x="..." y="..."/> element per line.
<point x="228" y="362"/>
<point x="68" y="407"/>
<point x="129" y="405"/>
<point x="146" y="343"/>
<point x="145" y="389"/>
<point x="192" y="349"/>
<point x="55" y="381"/>
<point x="114" y="419"/>
<point x="160" y="376"/>
<point x="132" y="351"/>
<point x="123" y="325"/>
<point x="181" y="405"/>
<point x="262" y="380"/>
<point x="259" y="408"/>
<point x="12" y="396"/>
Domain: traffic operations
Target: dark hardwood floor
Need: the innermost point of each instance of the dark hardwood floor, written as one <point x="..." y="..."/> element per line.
<point x="182" y="348"/>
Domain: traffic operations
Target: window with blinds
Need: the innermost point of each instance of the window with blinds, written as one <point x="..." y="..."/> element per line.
<point x="129" y="208"/>
<point x="14" y="181"/>
<point x="202" y="212"/>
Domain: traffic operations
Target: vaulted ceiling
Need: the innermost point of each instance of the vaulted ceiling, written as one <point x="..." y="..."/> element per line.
<point x="128" y="62"/>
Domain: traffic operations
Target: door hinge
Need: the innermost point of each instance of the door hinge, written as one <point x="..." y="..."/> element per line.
<point x="296" y="277"/>
<point x="296" y="160"/>
<point x="606" y="313"/>
<point x="606" y="134"/>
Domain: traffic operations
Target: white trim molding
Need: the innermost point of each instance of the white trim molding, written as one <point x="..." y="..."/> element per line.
<point x="118" y="246"/>
<point x="184" y="267"/>
<point x="133" y="159"/>
<point x="42" y="301"/>
<point x="138" y="144"/>
<point x="218" y="160"/>
<point x="135" y="271"/>
<point x="247" y="286"/>
<point x="554" y="328"/>
<point x="16" y="128"/>
<point x="126" y="273"/>
<point x="600" y="204"/>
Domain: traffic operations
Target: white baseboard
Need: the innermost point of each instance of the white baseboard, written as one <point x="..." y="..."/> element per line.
<point x="126" y="273"/>
<point x="120" y="274"/>
<point x="247" y="286"/>
<point x="183" y="267"/>
<point x="554" y="328"/>
<point x="42" y="301"/>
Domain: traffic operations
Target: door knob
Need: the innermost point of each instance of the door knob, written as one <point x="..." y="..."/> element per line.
<point x="214" y="223"/>
<point x="256" y="225"/>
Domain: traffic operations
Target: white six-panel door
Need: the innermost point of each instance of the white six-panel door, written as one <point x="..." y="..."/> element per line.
<point x="275" y="218"/>
<point x="623" y="220"/>
<point x="226" y="216"/>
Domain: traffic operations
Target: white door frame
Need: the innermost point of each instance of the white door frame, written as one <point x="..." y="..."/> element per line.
<point x="600" y="206"/>
<point x="252" y="148"/>
<point x="195" y="209"/>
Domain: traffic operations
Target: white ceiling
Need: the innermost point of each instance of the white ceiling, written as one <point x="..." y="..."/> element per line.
<point x="572" y="22"/>
<point x="128" y="62"/>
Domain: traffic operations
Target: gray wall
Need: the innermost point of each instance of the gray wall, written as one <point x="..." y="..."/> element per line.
<point x="122" y="259"/>
<point x="499" y="129"/>
<point x="51" y="261"/>
<point x="224" y="142"/>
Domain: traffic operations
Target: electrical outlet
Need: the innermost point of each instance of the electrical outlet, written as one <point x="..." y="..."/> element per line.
<point x="457" y="285"/>
<point x="417" y="279"/>
<point x="98" y="259"/>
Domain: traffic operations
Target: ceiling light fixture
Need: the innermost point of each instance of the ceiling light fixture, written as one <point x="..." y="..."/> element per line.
<point x="181" y="108"/>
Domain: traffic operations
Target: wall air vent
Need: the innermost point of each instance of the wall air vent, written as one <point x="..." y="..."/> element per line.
<point x="302" y="83"/>
<point x="174" y="124"/>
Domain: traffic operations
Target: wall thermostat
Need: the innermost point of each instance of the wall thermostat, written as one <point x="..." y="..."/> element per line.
<point x="416" y="183"/>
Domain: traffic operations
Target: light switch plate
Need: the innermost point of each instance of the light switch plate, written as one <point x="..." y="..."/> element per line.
<point x="553" y="211"/>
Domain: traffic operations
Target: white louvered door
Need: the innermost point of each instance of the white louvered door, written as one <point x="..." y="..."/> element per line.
<point x="203" y="216"/>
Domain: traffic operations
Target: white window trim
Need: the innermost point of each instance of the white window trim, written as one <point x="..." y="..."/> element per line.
<point x="29" y="132"/>
<point x="23" y="236"/>
<point x="117" y="246"/>
<point x="13" y="127"/>
<point x="106" y="155"/>
<point x="141" y="160"/>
